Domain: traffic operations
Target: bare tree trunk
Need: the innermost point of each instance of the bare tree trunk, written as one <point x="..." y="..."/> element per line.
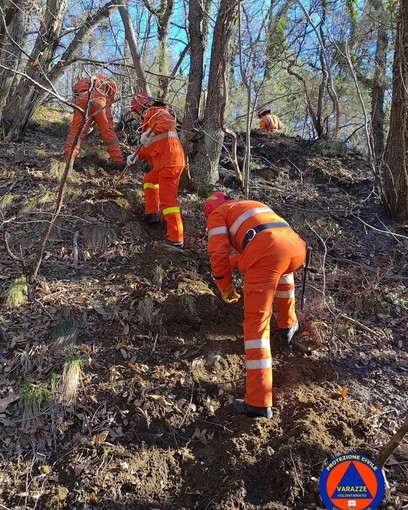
<point x="132" y="43"/>
<point x="11" y="40"/>
<point x="163" y="15"/>
<point x="21" y="104"/>
<point x="20" y="107"/>
<point x="196" y="31"/>
<point x="379" y="81"/>
<point x="204" y="163"/>
<point x="395" y="168"/>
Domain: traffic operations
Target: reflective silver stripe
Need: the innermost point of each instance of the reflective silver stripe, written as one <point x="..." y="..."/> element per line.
<point x="113" y="142"/>
<point x="285" y="293"/>
<point x="240" y="220"/>
<point x="259" y="363"/>
<point x="162" y="136"/>
<point x="257" y="344"/>
<point x="286" y="278"/>
<point x="217" y="230"/>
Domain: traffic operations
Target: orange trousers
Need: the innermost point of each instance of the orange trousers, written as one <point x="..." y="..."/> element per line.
<point x="100" y="113"/>
<point x="160" y="190"/>
<point x="261" y="286"/>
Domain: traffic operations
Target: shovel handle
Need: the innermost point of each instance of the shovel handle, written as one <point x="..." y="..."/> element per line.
<point x="306" y="268"/>
<point x="123" y="173"/>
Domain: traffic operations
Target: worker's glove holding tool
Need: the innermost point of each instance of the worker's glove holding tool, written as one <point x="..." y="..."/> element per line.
<point x="145" y="138"/>
<point x="131" y="159"/>
<point x="230" y="294"/>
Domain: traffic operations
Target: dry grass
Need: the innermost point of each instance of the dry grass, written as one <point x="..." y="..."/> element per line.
<point x="158" y="276"/>
<point x="98" y="237"/>
<point x="66" y="390"/>
<point x="146" y="310"/>
<point x="17" y="293"/>
<point x="38" y="202"/>
<point x="5" y="201"/>
<point x="64" y="334"/>
<point x="188" y="304"/>
<point x="34" y="399"/>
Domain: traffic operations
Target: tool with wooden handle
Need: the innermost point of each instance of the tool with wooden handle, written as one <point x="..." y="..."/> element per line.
<point x="306" y="269"/>
<point x="123" y="172"/>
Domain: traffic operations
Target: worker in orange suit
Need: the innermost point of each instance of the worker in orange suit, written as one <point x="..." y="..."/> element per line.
<point x="161" y="147"/>
<point x="95" y="95"/>
<point x="267" y="252"/>
<point x="270" y="123"/>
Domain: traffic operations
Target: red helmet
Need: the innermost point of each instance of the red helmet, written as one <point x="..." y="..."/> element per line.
<point x="263" y="111"/>
<point x="213" y="201"/>
<point x="140" y="101"/>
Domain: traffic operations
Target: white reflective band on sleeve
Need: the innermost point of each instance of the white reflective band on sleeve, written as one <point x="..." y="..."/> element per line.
<point x="240" y="220"/>
<point x="285" y="293"/>
<point x="259" y="363"/>
<point x="286" y="278"/>
<point x="257" y="344"/>
<point x="217" y="230"/>
<point x="162" y="136"/>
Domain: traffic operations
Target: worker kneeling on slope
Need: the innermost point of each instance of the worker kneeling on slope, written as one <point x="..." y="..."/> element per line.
<point x="95" y="96"/>
<point x="161" y="148"/>
<point x="270" y="123"/>
<point x="268" y="252"/>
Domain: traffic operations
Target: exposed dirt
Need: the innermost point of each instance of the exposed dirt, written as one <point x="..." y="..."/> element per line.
<point x="161" y="355"/>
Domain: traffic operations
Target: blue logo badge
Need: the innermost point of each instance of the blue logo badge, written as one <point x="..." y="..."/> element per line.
<point x="352" y="481"/>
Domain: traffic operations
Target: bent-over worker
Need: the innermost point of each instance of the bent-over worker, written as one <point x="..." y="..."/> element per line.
<point x="268" y="252"/>
<point x="102" y="93"/>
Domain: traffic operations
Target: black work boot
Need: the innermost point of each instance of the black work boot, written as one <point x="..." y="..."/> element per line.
<point x="241" y="407"/>
<point x="175" y="244"/>
<point x="288" y="333"/>
<point x="151" y="219"/>
<point x="120" y="166"/>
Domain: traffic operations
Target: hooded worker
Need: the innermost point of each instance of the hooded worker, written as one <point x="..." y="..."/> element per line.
<point x="270" y="123"/>
<point x="161" y="147"/>
<point x="267" y="252"/>
<point x="95" y="95"/>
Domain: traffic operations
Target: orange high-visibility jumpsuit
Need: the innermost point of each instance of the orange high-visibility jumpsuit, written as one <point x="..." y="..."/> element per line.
<point x="270" y="123"/>
<point x="166" y="155"/>
<point x="269" y="251"/>
<point x="99" y="111"/>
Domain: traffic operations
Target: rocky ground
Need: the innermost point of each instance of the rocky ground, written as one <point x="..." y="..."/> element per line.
<point x="119" y="365"/>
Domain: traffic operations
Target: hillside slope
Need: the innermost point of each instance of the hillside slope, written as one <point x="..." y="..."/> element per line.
<point x="119" y="371"/>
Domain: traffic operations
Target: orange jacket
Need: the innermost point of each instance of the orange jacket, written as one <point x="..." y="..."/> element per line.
<point x="164" y="149"/>
<point x="103" y="87"/>
<point x="230" y="228"/>
<point x="270" y="123"/>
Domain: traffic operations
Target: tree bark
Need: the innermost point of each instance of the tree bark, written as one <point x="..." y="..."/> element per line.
<point x="132" y="43"/>
<point x="196" y="73"/>
<point x="379" y="81"/>
<point x="395" y="168"/>
<point x="204" y="163"/>
<point x="22" y="102"/>
<point x="21" y="105"/>
<point x="12" y="37"/>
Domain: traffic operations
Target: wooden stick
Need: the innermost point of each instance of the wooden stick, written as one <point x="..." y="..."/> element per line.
<point x="392" y="444"/>
<point x="122" y="174"/>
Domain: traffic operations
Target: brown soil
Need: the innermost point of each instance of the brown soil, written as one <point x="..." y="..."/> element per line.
<point x="162" y="358"/>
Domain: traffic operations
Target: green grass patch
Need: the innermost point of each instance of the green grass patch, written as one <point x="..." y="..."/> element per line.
<point x="38" y="202"/>
<point x="5" y="201"/>
<point x="17" y="293"/>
